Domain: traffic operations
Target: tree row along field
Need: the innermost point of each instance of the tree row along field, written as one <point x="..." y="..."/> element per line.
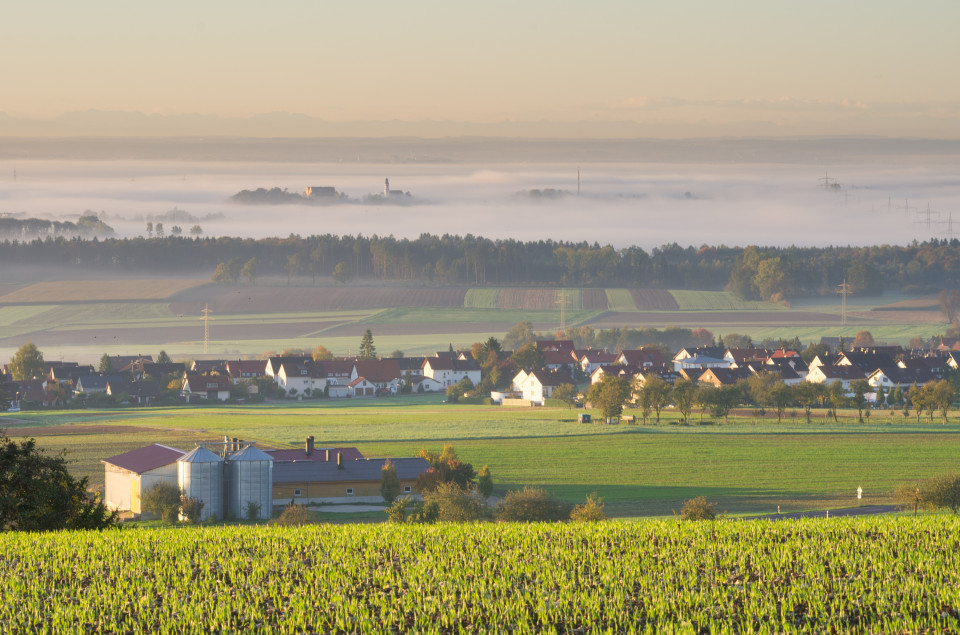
<point x="840" y="575"/>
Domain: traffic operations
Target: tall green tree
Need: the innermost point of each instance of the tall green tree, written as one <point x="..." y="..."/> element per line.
<point x="163" y="358"/>
<point x="40" y="494"/>
<point x="684" y="395"/>
<point x="367" y="349"/>
<point x="655" y="392"/>
<point x="249" y="270"/>
<point x="27" y="363"/>
<point x="342" y="272"/>
<point x="105" y="366"/>
<point x="389" y="482"/>
<point x="528" y="357"/>
<point x="609" y="394"/>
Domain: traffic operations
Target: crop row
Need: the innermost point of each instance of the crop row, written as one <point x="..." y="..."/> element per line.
<point x="872" y="575"/>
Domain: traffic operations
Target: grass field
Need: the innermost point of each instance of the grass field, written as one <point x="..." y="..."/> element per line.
<point x="641" y="470"/>
<point x="99" y="291"/>
<point x="481" y="298"/>
<point x="620" y="300"/>
<point x="717" y="301"/>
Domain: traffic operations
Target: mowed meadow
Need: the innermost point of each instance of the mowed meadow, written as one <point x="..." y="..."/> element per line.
<point x="746" y="466"/>
<point x="74" y="318"/>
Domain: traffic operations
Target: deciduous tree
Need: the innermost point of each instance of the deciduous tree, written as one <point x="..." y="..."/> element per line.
<point x="26" y="363"/>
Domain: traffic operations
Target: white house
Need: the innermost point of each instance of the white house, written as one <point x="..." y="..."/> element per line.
<point x="830" y="374"/>
<point x="539" y="385"/>
<point x="450" y="371"/>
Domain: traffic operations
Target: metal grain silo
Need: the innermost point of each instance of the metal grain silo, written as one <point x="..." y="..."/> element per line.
<point x="249" y="479"/>
<point x="200" y="475"/>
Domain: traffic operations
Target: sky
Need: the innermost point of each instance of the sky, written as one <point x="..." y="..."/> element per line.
<point x="674" y="69"/>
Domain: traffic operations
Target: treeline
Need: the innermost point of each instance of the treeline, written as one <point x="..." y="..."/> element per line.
<point x="32" y="229"/>
<point x="750" y="272"/>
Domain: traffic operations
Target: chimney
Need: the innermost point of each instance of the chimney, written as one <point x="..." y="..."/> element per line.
<point x="339" y="461"/>
<point x="309" y="446"/>
<point x="236" y="445"/>
<point x="327" y="455"/>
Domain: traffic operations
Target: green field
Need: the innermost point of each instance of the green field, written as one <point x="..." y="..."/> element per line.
<point x="746" y="466"/>
<point x="717" y="301"/>
<point x="877" y="575"/>
<point x="620" y="300"/>
<point x="481" y="298"/>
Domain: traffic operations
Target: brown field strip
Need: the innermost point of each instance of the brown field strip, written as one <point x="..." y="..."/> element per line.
<point x="528" y="299"/>
<point x="654" y="300"/>
<point x="98" y="291"/>
<point x="236" y="300"/>
<point x="594" y="299"/>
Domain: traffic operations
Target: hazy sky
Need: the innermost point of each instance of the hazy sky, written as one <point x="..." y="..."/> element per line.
<point x="683" y="67"/>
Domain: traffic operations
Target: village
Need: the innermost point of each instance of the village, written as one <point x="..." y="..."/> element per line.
<point x="138" y="380"/>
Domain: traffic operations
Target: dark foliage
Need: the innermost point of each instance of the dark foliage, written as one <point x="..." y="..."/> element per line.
<point x="37" y="493"/>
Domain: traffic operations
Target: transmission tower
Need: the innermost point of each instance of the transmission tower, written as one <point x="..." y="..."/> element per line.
<point x="844" y="291"/>
<point x="563" y="309"/>
<point x="828" y="183"/>
<point x="206" y="327"/>
<point x="924" y="216"/>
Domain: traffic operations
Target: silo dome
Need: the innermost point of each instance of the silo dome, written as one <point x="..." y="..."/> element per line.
<point x="200" y="475"/>
<point x="249" y="482"/>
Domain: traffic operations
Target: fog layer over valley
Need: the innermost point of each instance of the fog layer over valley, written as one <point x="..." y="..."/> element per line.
<point x="619" y="204"/>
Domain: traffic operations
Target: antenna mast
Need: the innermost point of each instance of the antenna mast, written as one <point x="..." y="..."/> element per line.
<point x="206" y="327"/>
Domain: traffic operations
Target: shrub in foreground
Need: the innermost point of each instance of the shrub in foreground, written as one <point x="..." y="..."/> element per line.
<point x="590" y="511"/>
<point x="698" y="509"/>
<point x="531" y="504"/>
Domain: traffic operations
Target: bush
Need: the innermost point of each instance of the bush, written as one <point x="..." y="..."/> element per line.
<point x="485" y="482"/>
<point x="698" y="509"/>
<point x="454" y="504"/>
<point x="251" y="510"/>
<point x="397" y="512"/>
<point x="163" y="500"/>
<point x="590" y="511"/>
<point x="942" y="492"/>
<point x="293" y="515"/>
<point x="191" y="509"/>
<point x="531" y="504"/>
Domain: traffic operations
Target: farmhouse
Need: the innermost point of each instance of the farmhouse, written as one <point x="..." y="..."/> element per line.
<point x="228" y="476"/>
<point x="538" y="386"/>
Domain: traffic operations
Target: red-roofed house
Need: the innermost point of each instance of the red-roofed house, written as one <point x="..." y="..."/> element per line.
<point x="246" y="369"/>
<point x="361" y="387"/>
<point x="384" y="374"/>
<point x="128" y="475"/>
<point x="641" y="358"/>
<point x="592" y="359"/>
<point x="205" y="387"/>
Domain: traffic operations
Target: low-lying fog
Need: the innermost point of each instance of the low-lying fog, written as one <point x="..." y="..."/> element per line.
<point x="621" y="204"/>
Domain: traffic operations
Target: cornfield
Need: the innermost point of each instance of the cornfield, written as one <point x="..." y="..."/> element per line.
<point x="841" y="575"/>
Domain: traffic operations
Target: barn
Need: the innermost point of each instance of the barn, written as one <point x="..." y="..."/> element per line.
<point x="128" y="475"/>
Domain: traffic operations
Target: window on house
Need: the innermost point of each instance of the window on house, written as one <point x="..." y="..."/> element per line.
<point x="406" y="489"/>
<point x="349" y="491"/>
<point x="296" y="492"/>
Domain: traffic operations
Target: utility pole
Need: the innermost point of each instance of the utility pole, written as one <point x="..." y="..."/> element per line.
<point x="563" y="309"/>
<point x="206" y="327"/>
<point x="843" y="290"/>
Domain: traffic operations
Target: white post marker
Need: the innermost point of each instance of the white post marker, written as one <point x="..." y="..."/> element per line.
<point x="859" y="493"/>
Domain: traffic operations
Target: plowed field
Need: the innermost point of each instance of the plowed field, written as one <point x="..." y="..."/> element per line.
<point x="654" y="300"/>
<point x="239" y="300"/>
<point x="593" y="299"/>
<point x="531" y="299"/>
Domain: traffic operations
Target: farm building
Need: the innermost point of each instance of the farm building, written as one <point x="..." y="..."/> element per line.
<point x="128" y="475"/>
<point x="234" y="479"/>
